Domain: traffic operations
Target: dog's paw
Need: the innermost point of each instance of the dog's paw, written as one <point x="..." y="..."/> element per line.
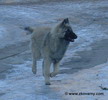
<point x="52" y="74"/>
<point x="43" y="74"/>
<point x="34" y="71"/>
<point x="47" y="83"/>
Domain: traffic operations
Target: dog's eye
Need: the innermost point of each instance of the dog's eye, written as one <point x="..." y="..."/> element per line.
<point x="66" y="30"/>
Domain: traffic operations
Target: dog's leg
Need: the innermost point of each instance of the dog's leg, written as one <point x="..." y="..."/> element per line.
<point x="34" y="66"/>
<point x="47" y="64"/>
<point x="33" y="48"/>
<point x="56" y="69"/>
<point x="43" y="68"/>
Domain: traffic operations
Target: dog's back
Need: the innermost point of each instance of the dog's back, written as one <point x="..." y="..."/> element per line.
<point x="37" y="39"/>
<point x="39" y="34"/>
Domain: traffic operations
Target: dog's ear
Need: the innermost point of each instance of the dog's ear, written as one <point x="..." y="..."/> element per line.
<point x="64" y="22"/>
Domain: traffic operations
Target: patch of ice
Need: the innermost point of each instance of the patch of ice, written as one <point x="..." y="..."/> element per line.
<point x="22" y="84"/>
<point x="2" y="31"/>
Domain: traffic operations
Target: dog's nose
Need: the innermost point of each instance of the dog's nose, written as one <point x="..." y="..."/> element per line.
<point x="75" y="36"/>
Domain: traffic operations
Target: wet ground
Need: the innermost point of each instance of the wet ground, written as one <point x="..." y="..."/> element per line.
<point x="89" y="20"/>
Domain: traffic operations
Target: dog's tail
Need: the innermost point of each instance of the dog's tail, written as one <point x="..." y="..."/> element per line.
<point x="30" y="29"/>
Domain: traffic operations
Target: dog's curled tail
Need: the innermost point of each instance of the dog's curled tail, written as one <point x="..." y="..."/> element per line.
<point x="30" y="29"/>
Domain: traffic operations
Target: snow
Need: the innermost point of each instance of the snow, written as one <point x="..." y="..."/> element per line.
<point x="2" y="31"/>
<point x="21" y="84"/>
<point x="15" y="16"/>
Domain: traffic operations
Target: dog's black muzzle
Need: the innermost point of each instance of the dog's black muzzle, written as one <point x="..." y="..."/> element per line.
<point x="70" y="36"/>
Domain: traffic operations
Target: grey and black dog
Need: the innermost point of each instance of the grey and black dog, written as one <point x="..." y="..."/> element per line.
<point x="51" y="45"/>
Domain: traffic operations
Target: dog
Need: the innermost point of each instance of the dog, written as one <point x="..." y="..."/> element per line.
<point x="50" y="44"/>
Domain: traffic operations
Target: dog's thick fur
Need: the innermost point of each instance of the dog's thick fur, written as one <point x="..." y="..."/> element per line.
<point x="50" y="44"/>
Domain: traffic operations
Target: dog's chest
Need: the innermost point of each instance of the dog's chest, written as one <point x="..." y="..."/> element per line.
<point x="58" y="54"/>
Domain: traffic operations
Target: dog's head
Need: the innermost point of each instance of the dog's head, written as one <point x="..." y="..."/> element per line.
<point x="66" y="31"/>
